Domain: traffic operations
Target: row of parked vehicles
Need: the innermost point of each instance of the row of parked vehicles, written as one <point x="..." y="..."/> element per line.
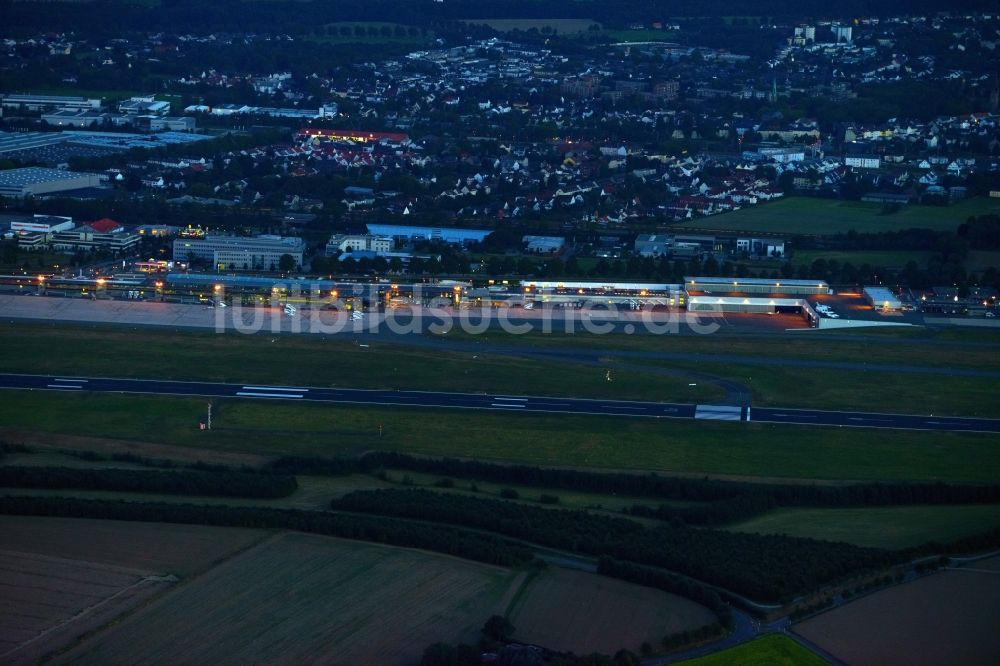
<point x="826" y="311"/>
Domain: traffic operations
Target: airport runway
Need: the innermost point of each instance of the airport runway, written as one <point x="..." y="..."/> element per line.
<point x="501" y="402"/>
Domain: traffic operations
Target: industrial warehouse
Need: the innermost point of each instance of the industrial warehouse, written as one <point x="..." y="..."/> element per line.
<point x="33" y="181"/>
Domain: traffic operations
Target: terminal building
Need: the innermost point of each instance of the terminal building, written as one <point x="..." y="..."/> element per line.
<point x="755" y="286"/>
<point x="754" y="296"/>
<point x="240" y="252"/>
<point x="632" y="295"/>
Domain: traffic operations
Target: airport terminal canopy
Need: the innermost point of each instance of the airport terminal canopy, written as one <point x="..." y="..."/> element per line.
<point x="761" y="286"/>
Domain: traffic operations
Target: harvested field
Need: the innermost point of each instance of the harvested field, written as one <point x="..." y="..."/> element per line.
<point x="583" y="612"/>
<point x="161" y="547"/>
<point x="299" y="598"/>
<point x="50" y="602"/>
<point x="946" y="618"/>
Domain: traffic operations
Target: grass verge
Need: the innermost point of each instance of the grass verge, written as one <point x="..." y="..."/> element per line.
<point x="666" y="445"/>
<point x="878" y="527"/>
<point x="773" y="650"/>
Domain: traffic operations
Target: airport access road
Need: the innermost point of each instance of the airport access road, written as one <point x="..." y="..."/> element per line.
<point x="500" y="403"/>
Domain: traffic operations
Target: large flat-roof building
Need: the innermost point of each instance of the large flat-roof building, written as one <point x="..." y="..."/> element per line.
<point x="12" y="142"/>
<point x="240" y="252"/>
<point x="44" y="102"/>
<point x="144" y="104"/>
<point x="380" y="245"/>
<point x="75" y="118"/>
<point x="31" y="181"/>
<point x="42" y="224"/>
<point x="881" y="298"/>
<point x="452" y="235"/>
<point x="86" y="238"/>
<point x="754" y="286"/>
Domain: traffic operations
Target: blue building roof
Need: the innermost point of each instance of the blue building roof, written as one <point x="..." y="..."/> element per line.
<point x="446" y="234"/>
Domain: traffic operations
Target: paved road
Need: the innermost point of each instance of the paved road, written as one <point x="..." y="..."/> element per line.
<point x="500" y="402"/>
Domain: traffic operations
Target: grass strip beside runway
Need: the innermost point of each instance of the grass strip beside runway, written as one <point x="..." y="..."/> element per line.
<point x="667" y="445"/>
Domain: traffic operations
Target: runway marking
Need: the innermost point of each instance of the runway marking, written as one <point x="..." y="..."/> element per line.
<point x="507" y="404"/>
<point x="75" y="381"/>
<point x="796" y="416"/>
<point x="249" y="394"/>
<point x="275" y="388"/>
<point x="718" y="412"/>
<point x="640" y="409"/>
<point x="65" y="386"/>
<point x="856" y="418"/>
<point x="512" y="399"/>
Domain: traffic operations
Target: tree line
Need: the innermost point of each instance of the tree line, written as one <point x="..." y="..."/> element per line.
<point x="495" y="640"/>
<point x="436" y="538"/>
<point x="764" y="567"/>
<point x="214" y="483"/>
<point x="722" y="501"/>
<point x="106" y="18"/>
<point x="757" y="500"/>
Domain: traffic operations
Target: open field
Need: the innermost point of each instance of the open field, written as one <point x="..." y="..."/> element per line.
<point x="905" y="346"/>
<point x="65" y="577"/>
<point x="732" y="449"/>
<point x="645" y="35"/>
<point x="563" y="26"/>
<point x="771" y="650"/>
<point x="302" y="598"/>
<point x="856" y="389"/>
<point x="49" y="602"/>
<point x="979" y="260"/>
<point x="882" y="258"/>
<point x="946" y="618"/>
<point x="166" y="548"/>
<point x="583" y="613"/>
<point x="803" y="215"/>
<point x="877" y="527"/>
